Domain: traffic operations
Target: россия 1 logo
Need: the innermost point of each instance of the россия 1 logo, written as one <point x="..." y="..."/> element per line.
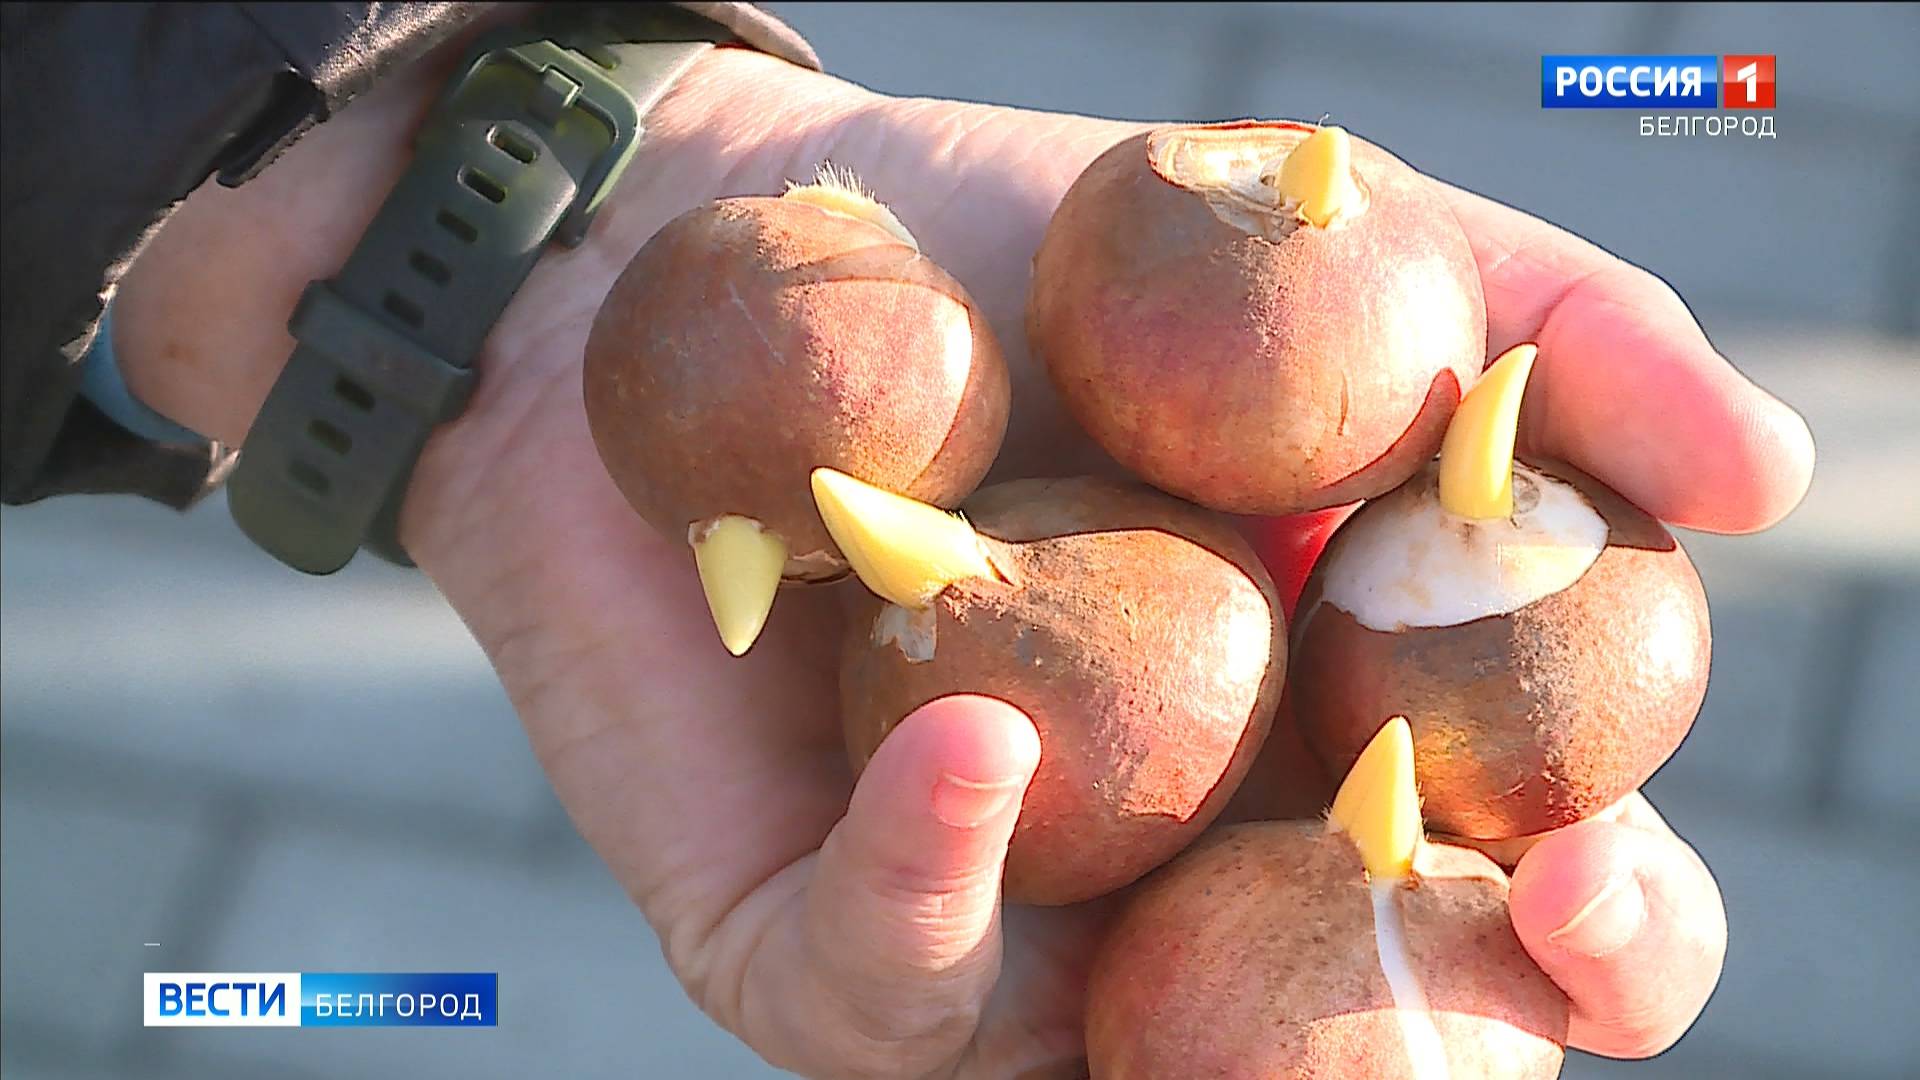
<point x="1626" y="81"/>
<point x="1696" y="83"/>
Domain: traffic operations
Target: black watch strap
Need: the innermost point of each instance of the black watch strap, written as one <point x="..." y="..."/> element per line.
<point x="521" y="147"/>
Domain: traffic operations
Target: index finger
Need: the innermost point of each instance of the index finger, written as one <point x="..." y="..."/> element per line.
<point x="1627" y="386"/>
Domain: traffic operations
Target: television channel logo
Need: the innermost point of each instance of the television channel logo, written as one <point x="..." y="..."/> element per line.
<point x="1639" y="81"/>
<point x="320" y="999"/>
<point x="1748" y="79"/>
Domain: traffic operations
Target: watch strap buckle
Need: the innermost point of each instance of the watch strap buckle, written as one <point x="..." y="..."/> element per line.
<point x="565" y="82"/>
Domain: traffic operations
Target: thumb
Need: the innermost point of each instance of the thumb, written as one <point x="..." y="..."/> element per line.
<point x="1628" y="920"/>
<point x="903" y="910"/>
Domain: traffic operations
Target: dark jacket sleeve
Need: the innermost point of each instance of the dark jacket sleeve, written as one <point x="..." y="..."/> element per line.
<point x="112" y="114"/>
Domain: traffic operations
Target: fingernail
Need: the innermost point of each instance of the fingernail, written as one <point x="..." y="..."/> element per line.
<point x="969" y="804"/>
<point x="1607" y="922"/>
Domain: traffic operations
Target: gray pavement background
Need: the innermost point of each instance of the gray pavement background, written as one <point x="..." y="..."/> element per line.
<point x="238" y="812"/>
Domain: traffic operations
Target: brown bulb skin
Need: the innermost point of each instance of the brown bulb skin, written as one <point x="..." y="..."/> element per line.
<point x="1527" y="721"/>
<point x="1140" y="634"/>
<point x="1264" y="367"/>
<point x="754" y="339"/>
<point x="1253" y="957"/>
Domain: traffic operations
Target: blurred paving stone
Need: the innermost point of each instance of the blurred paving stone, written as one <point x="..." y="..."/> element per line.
<point x="303" y="736"/>
<point x="1515" y="32"/>
<point x="85" y="887"/>
<point x="1821" y="949"/>
<point x="1903" y="292"/>
<point x="1689" y="209"/>
<point x="42" y="1052"/>
<point x="1013" y="53"/>
<point x="1749" y="742"/>
<point x="366" y="682"/>
<point x="123" y="533"/>
<point x="1880" y="763"/>
<point x="1697" y="1057"/>
<point x="584" y="990"/>
<point x="1051" y="56"/>
<point x="1857" y="56"/>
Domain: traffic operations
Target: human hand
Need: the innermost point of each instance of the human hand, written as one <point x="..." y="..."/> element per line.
<point x="857" y="931"/>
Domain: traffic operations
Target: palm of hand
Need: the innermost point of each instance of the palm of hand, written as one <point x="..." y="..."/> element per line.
<point x="715" y="788"/>
<point x="710" y="784"/>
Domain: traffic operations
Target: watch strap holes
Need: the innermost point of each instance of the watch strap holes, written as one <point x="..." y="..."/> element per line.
<point x="404" y="309"/>
<point x="482" y="185"/>
<point x="330" y="437"/>
<point x="512" y="144"/>
<point x="460" y="228"/>
<point x="430" y="268"/>
<point x="353" y="394"/>
<point x="309" y="477"/>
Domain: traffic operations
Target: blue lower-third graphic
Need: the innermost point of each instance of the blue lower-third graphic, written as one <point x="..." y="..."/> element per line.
<point x="320" y="999"/>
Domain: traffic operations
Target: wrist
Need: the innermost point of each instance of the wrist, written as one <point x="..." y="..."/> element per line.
<point x="200" y="317"/>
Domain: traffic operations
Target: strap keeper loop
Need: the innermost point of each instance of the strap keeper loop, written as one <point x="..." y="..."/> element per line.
<point x="380" y="358"/>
